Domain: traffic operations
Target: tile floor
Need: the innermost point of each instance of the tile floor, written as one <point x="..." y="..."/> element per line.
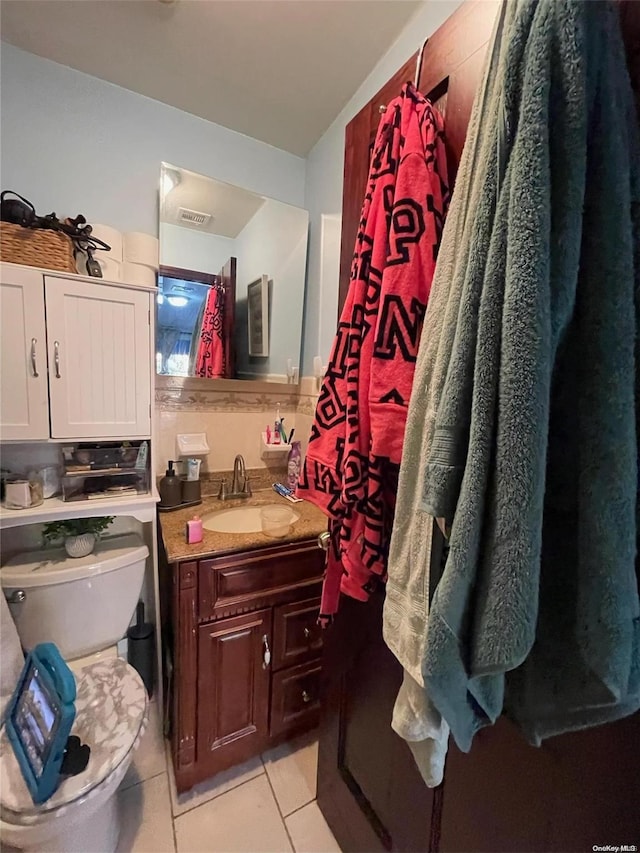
<point x="266" y="805"/>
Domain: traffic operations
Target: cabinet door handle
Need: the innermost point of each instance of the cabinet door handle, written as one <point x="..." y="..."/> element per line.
<point x="56" y="357"/>
<point x="324" y="540"/>
<point x="306" y="697"/>
<point x="266" y="652"/>
<point x="307" y="633"/>
<point x="34" y="366"/>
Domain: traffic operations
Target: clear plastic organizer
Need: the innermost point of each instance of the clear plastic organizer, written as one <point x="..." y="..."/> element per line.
<point x="106" y="470"/>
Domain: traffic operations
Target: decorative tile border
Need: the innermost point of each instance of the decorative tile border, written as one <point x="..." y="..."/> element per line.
<point x="306" y="405"/>
<point x="197" y="395"/>
<point x="308" y="397"/>
<point x="173" y="401"/>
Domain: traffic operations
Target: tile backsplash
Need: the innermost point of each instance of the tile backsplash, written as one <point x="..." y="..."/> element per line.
<point x="231" y="419"/>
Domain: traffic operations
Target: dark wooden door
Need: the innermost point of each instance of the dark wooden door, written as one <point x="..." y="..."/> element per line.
<point x="233" y="689"/>
<point x="450" y="72"/>
<point x="369" y="788"/>
<point x="504" y="795"/>
<point x="228" y="278"/>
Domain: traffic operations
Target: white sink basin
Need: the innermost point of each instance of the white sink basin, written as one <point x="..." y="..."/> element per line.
<point x="241" y="519"/>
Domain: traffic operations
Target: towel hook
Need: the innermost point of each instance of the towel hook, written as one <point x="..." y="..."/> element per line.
<point x="419" y="63"/>
<point x="383" y="107"/>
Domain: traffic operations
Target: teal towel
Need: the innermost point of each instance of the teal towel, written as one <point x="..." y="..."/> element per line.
<point x="534" y="454"/>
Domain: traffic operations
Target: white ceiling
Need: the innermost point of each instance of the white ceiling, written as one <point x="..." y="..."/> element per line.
<point x="277" y="70"/>
<point x="230" y="207"/>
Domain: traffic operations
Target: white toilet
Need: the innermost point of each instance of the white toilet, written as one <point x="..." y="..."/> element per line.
<point x="84" y="606"/>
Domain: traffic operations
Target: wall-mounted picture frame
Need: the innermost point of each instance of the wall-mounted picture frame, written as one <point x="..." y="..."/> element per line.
<point x="258" y="316"/>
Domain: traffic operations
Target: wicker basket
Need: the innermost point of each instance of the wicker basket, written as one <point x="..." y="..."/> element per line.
<point x="50" y="250"/>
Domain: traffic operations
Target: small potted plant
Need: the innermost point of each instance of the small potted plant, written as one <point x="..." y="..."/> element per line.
<point x="80" y="534"/>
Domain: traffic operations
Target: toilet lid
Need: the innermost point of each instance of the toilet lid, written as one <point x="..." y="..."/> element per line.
<point x="111" y="709"/>
<point x="54" y="566"/>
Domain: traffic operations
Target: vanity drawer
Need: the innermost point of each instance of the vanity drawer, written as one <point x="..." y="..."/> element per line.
<point x="240" y="582"/>
<point x="295" y="697"/>
<point x="297" y="637"/>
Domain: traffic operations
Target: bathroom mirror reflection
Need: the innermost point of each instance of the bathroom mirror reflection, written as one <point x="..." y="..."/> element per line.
<point x="232" y="280"/>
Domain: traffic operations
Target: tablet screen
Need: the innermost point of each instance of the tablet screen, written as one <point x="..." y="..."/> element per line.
<point x="36" y="717"/>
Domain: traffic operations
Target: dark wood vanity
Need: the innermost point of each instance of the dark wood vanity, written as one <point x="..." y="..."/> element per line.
<point x="245" y="651"/>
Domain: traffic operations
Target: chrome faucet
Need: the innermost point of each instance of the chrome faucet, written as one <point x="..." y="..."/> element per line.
<point x="240" y="485"/>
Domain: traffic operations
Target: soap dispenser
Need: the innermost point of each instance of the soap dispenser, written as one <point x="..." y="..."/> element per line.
<point x="170" y="488"/>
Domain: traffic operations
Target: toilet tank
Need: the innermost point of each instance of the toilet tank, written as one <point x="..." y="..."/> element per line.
<point x="83" y="605"/>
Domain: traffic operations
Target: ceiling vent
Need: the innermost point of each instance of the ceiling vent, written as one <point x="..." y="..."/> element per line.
<point x="193" y="217"/>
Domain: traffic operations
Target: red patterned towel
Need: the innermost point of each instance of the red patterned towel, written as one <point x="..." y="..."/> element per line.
<point x="351" y="468"/>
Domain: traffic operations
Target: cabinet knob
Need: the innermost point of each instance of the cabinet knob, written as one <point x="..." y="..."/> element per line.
<point x="307" y="633"/>
<point x="306" y="697"/>
<point x="323" y="541"/>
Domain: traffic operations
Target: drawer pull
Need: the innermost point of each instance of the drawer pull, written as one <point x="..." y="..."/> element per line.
<point x="56" y="357"/>
<point x="266" y="655"/>
<point x="306" y="697"/>
<point x="307" y="633"/>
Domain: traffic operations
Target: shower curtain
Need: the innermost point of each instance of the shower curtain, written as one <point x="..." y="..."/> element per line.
<point x="167" y="340"/>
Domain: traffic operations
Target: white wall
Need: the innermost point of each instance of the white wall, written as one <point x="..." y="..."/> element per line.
<point x="194" y="250"/>
<point x="73" y="143"/>
<point x="273" y="243"/>
<point x="329" y="273"/>
<point x="323" y="192"/>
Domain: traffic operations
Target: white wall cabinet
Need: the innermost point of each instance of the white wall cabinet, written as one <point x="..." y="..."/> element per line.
<point x="99" y="360"/>
<point x="24" y="399"/>
<point x="95" y="348"/>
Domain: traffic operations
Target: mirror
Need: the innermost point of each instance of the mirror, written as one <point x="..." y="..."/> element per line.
<point x="232" y="280"/>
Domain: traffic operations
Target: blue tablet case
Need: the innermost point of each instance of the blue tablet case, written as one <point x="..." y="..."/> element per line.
<point x="39" y="719"/>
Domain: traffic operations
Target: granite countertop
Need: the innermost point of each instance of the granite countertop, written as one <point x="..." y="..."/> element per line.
<point x="311" y="523"/>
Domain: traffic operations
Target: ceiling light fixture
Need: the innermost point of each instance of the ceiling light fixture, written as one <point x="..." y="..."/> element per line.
<point x="177" y="301"/>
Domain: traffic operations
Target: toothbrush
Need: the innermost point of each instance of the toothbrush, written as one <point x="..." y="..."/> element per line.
<point x="286" y="493"/>
<point x="277" y="427"/>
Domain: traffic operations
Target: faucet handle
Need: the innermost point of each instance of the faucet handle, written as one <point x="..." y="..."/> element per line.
<point x="247" y="487"/>
<point x="222" y="494"/>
